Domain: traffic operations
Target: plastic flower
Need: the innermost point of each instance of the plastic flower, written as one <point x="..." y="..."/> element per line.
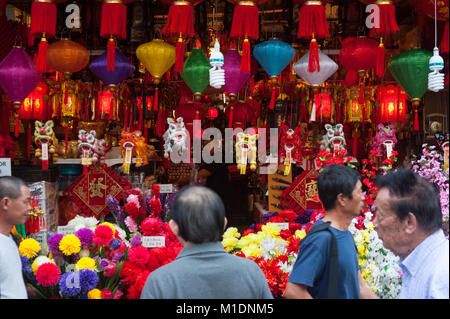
<point x="85" y="235"/>
<point x="86" y="263"/>
<point x="110" y="270"/>
<point x="136" y="241"/>
<point x="300" y="233"/>
<point x="83" y="222"/>
<point x="69" y="284"/>
<point x="26" y="267"/>
<point x="29" y="248"/>
<point x="103" y="235"/>
<point x="151" y="226"/>
<point x="88" y="280"/>
<point x="48" y="275"/>
<point x="53" y="243"/>
<point x="139" y="255"/>
<point x="40" y="261"/>
<point x="131" y="224"/>
<point x="109" y="225"/>
<point x="271" y="229"/>
<point x="231" y="232"/>
<point x="115" y="244"/>
<point x="106" y="294"/>
<point x="94" y="294"/>
<point x="229" y="243"/>
<point x="70" y="244"/>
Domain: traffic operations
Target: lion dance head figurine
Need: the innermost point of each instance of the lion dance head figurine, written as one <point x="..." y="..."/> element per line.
<point x="385" y="140"/>
<point x="46" y="142"/>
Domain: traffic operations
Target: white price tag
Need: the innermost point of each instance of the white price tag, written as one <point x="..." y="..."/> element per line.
<point x="5" y="166"/>
<point x="166" y="188"/>
<point x="283" y="226"/>
<point x="41" y="238"/>
<point x="65" y="230"/>
<point x="153" y="241"/>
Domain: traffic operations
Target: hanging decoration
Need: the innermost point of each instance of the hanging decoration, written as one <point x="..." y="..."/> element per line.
<point x="435" y="79"/>
<point x="216" y="73"/>
<point x="36" y="217"/>
<point x="190" y="111"/>
<point x="290" y="148"/>
<point x="312" y="26"/>
<point x="7" y="146"/>
<point x="43" y="23"/>
<point x="128" y="148"/>
<point x="322" y="108"/>
<point x="239" y="115"/>
<point x="176" y="139"/>
<point x="196" y="71"/>
<point x="316" y="78"/>
<point x="410" y="70"/>
<point x="18" y="78"/>
<point x="141" y="149"/>
<point x="385" y="140"/>
<point x="113" y="25"/>
<point x="90" y="191"/>
<point x="180" y="23"/>
<point x="443" y="142"/>
<point x="245" y="26"/>
<point x="392" y="108"/>
<point x="246" y="151"/>
<point x="334" y="139"/>
<point x="46" y="143"/>
<point x="122" y="70"/>
<point x="91" y="148"/>
<point x="234" y="78"/>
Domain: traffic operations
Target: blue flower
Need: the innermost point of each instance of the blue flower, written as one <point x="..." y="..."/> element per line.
<point x="88" y="280"/>
<point x="115" y="244"/>
<point x="69" y="284"/>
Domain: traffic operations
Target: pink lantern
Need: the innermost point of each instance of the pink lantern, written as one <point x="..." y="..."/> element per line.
<point x="234" y="78"/>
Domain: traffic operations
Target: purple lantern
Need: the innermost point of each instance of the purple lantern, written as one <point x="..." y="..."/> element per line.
<point x="18" y="78"/>
<point x="234" y="78"/>
<point x="18" y="75"/>
<point x="122" y="69"/>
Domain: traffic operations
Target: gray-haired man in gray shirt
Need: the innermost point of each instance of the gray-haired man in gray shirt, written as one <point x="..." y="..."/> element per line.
<point x="203" y="269"/>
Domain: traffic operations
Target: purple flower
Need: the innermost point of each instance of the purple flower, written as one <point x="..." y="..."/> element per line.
<point x="104" y="263"/>
<point x="88" y="280"/>
<point x="113" y="205"/>
<point x="26" y="268"/>
<point x="115" y="244"/>
<point x="53" y="243"/>
<point x="69" y="284"/>
<point x="135" y="241"/>
<point x="117" y="257"/>
<point x="85" y="235"/>
<point x="268" y="215"/>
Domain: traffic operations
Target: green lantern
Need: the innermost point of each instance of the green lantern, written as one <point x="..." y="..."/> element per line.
<point x="410" y="70"/>
<point x="196" y="72"/>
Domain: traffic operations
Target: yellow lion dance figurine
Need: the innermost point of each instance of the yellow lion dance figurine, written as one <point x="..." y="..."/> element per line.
<point x="44" y="135"/>
<point x="246" y="149"/>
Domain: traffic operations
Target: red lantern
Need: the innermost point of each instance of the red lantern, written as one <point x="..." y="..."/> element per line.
<point x="358" y="54"/>
<point x="239" y="113"/>
<point x="190" y="111"/>
<point x="34" y="107"/>
<point x="107" y="105"/>
<point x="392" y="100"/>
<point x="180" y="22"/>
<point x="323" y="107"/>
<point x="245" y="25"/>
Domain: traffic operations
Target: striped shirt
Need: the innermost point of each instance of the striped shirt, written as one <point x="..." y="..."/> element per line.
<point x="425" y="269"/>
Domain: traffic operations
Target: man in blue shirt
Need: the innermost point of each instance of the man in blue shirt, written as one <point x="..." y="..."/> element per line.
<point x="340" y="191"/>
<point x="409" y="222"/>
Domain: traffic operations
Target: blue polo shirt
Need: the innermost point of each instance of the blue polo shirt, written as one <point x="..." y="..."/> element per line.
<point x="313" y="262"/>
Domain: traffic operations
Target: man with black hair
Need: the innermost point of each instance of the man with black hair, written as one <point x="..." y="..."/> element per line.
<point x="14" y="208"/>
<point x="203" y="269"/>
<point x="409" y="222"/>
<point x="327" y="262"/>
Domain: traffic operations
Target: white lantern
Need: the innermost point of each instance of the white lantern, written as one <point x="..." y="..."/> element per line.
<point x="327" y="68"/>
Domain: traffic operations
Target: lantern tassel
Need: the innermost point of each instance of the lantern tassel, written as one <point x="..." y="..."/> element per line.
<point x="66" y="137"/>
<point x="351" y="78"/>
<point x="16" y="127"/>
<point x="179" y="59"/>
<point x="245" y="60"/>
<point x="111" y="54"/>
<point x="355" y="142"/>
<point x="114" y="20"/>
<point x="313" y="20"/>
<point x="245" y="22"/>
<point x="230" y="120"/>
<point x="388" y="22"/>
<point x="43" y="18"/>
<point x="416" y="120"/>
<point x="443" y="47"/>
<point x="380" y="59"/>
<point x="160" y="123"/>
<point x="41" y="64"/>
<point x="313" y="63"/>
<point x="180" y="20"/>
<point x="29" y="141"/>
<point x="272" y="100"/>
<point x="361" y="94"/>
<point x="155" y="102"/>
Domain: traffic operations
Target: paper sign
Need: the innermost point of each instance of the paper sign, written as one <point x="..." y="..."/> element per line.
<point x="5" y="166"/>
<point x="41" y="238"/>
<point x="66" y="230"/>
<point x="282" y="226"/>
<point x="153" y="241"/>
<point x="166" y="188"/>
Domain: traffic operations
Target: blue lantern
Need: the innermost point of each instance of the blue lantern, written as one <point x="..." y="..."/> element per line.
<point x="122" y="69"/>
<point x="274" y="55"/>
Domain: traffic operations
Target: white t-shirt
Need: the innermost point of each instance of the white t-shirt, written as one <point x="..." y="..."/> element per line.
<point x="12" y="285"/>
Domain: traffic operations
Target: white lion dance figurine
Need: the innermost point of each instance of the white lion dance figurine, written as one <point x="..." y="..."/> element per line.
<point x="175" y="137"/>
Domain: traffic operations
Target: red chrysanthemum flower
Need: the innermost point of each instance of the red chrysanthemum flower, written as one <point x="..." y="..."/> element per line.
<point x="139" y="255"/>
<point x="103" y="235"/>
<point x="48" y="275"/>
<point x="248" y="231"/>
<point x="135" y="290"/>
<point x="132" y="210"/>
<point x="106" y="294"/>
<point x="275" y="219"/>
<point x="156" y="189"/>
<point x="294" y="226"/>
<point x="285" y="234"/>
<point x="155" y="206"/>
<point x="129" y="272"/>
<point x="152" y="227"/>
<point x="288" y="215"/>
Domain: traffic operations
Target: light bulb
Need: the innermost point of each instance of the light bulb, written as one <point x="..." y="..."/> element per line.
<point x="216" y="73"/>
<point x="436" y="79"/>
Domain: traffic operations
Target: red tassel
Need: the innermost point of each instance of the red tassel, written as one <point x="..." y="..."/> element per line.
<point x="361" y="94"/>
<point x="114" y="20"/>
<point x="66" y="137"/>
<point x="313" y="63"/>
<point x="161" y="123"/>
<point x="155" y="103"/>
<point x="351" y="78"/>
<point x="388" y="22"/>
<point x="180" y="20"/>
<point x="272" y="100"/>
<point x="43" y="18"/>
<point x="379" y="70"/>
<point x="230" y="120"/>
<point x="16" y="127"/>
<point x="179" y="59"/>
<point x="245" y="60"/>
<point x="85" y="169"/>
<point x="45" y="165"/>
<point x="141" y="115"/>
<point x="355" y="143"/>
<point x="110" y="54"/>
<point x="29" y="141"/>
<point x="125" y="121"/>
<point x="313" y="21"/>
<point x="41" y="64"/>
<point x="416" y="120"/>
<point x="245" y="22"/>
<point x="443" y="47"/>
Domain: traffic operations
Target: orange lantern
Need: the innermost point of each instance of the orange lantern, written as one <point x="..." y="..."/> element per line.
<point x="392" y="100"/>
<point x="66" y="56"/>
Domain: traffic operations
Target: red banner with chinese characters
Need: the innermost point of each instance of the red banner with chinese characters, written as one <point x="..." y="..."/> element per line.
<point x="90" y="191"/>
<point x="302" y="194"/>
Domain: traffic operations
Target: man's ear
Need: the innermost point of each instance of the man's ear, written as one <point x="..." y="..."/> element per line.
<point x="340" y="200"/>
<point x="225" y="223"/>
<point x="174" y="227"/>
<point x="4" y="202"/>
<point x="410" y="223"/>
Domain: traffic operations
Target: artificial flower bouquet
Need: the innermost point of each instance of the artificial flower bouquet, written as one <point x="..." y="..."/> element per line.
<point x="83" y="265"/>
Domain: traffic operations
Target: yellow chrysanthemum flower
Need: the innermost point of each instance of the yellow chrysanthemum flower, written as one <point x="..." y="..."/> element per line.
<point x="94" y="294"/>
<point x="300" y="233"/>
<point x="40" y="261"/>
<point x="109" y="225"/>
<point x="70" y="244"/>
<point x="29" y="248"/>
<point x="229" y="243"/>
<point x="252" y="250"/>
<point x="231" y="232"/>
<point x="271" y="229"/>
<point x="86" y="263"/>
